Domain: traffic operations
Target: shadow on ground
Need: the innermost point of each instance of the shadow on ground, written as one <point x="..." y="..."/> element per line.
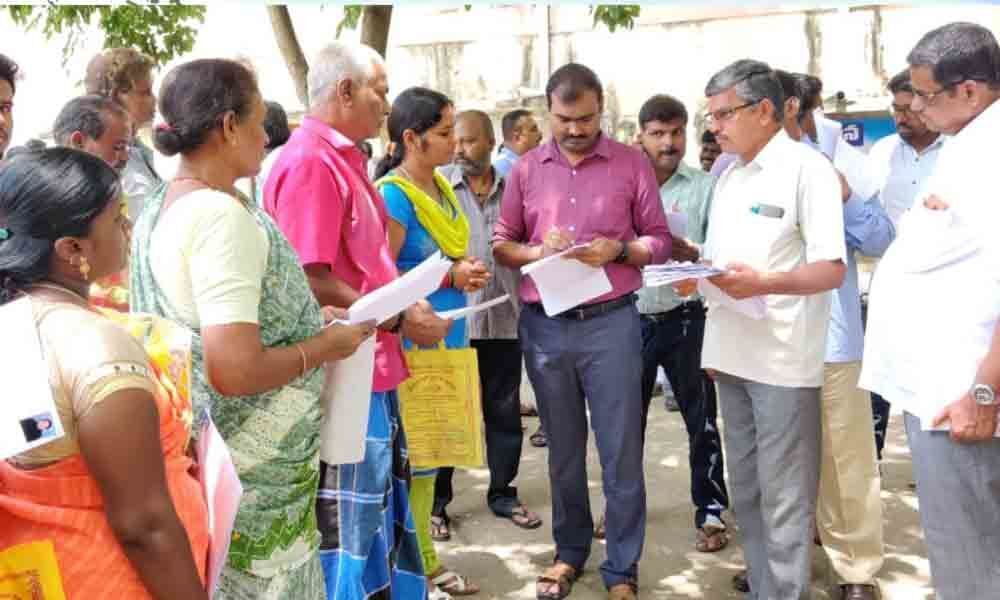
<point x="504" y="560"/>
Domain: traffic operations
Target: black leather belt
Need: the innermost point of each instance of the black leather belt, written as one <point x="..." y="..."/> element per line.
<point x="589" y="311"/>
<point x="690" y="305"/>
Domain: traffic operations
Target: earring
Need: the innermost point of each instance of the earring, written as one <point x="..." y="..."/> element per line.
<point x="84" y="268"/>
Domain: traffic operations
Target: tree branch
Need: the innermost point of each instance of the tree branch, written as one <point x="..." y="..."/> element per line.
<point x="291" y="50"/>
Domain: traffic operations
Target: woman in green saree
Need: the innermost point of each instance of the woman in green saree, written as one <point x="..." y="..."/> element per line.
<point x="205" y="256"/>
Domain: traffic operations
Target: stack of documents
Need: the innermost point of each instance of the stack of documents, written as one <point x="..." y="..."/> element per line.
<point x="672" y="272"/>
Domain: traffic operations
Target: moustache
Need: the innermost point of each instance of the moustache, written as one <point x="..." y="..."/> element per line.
<point x="671" y="152"/>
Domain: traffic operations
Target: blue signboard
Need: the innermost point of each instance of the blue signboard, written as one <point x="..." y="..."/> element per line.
<point x="862" y="129"/>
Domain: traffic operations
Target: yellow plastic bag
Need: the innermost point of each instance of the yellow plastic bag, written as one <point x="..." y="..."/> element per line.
<point x="30" y="572"/>
<point x="442" y="408"/>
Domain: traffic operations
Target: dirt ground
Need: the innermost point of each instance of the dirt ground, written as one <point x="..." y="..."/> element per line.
<point x="504" y="560"/>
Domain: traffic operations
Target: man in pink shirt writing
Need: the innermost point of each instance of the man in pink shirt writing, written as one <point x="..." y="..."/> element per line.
<point x="584" y="188"/>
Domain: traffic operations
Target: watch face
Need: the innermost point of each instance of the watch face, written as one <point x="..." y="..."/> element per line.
<point x="983" y="395"/>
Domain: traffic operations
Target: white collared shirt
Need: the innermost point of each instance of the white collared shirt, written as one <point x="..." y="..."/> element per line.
<point x="903" y="172"/>
<point x="788" y="346"/>
<point x="914" y="356"/>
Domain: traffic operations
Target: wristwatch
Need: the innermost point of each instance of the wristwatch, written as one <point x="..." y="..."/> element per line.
<point x="984" y="395"/>
<point x="622" y="257"/>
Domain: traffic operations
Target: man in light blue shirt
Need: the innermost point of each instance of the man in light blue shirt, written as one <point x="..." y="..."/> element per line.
<point x="849" y="509"/>
<point x="520" y="135"/>
<point x="673" y="327"/>
<point x="903" y="161"/>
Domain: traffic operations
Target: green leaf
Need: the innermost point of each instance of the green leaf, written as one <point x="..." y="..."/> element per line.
<point x="614" y="16"/>
<point x="352" y="16"/>
<point x="162" y="30"/>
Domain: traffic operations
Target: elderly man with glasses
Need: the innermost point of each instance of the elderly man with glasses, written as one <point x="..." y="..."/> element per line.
<point x="944" y="369"/>
<point x="777" y="229"/>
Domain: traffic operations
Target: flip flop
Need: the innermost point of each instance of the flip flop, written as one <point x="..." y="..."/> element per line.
<point x="454" y="584"/>
<point x="440" y="530"/>
<point x="523" y="518"/>
<point x="539" y="439"/>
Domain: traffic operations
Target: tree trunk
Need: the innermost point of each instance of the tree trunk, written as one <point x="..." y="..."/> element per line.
<point x="291" y="51"/>
<point x="375" y="26"/>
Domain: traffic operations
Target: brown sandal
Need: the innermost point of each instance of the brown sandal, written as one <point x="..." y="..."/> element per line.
<point x="623" y="591"/>
<point x="711" y="539"/>
<point x="562" y="576"/>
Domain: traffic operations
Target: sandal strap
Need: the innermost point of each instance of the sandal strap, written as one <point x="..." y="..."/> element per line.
<point x="451" y="580"/>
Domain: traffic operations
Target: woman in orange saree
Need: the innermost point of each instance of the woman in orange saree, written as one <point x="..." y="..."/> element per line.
<point x="111" y="509"/>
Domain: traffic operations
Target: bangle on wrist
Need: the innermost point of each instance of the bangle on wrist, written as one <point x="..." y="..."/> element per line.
<point x="302" y="353"/>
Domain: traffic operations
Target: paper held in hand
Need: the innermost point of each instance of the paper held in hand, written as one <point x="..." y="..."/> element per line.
<point x="222" y="489"/>
<point x="416" y="284"/>
<point x="459" y="313"/>
<point x="28" y="415"/>
<point x="672" y="272"/>
<point x="754" y="308"/>
<point x="564" y="283"/>
<point x="346" y="400"/>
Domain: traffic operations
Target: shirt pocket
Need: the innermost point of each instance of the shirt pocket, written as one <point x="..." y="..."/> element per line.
<point x="765" y="234"/>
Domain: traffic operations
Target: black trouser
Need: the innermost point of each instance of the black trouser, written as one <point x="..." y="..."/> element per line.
<point x="880" y="406"/>
<point x="673" y="340"/>
<point x="500" y="378"/>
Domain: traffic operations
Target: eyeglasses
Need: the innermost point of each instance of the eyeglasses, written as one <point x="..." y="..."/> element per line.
<point x="724" y="114"/>
<point x="929" y="98"/>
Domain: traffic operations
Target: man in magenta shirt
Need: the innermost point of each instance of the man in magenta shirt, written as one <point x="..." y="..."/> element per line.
<point x="319" y="193"/>
<point x="585" y="188"/>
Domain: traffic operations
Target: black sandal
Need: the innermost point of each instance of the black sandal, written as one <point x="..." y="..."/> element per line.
<point x="523" y="518"/>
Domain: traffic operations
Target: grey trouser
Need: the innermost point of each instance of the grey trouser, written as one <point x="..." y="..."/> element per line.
<point x="595" y="363"/>
<point x="772" y="437"/>
<point x="958" y="486"/>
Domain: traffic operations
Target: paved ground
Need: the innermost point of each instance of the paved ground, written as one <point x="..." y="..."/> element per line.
<point x="505" y="560"/>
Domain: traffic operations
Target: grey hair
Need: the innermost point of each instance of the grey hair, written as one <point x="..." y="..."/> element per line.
<point x="339" y="61"/>
<point x="959" y="51"/>
<point x="753" y="81"/>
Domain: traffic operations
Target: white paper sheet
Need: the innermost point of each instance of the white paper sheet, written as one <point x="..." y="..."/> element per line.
<point x="223" y="491"/>
<point x="854" y="165"/>
<point x="346" y="399"/>
<point x="28" y="415"/>
<point x="458" y="313"/>
<point x="389" y="300"/>
<point x="672" y="272"/>
<point x="564" y="283"/>
<point x="754" y="308"/>
<point x="677" y="222"/>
